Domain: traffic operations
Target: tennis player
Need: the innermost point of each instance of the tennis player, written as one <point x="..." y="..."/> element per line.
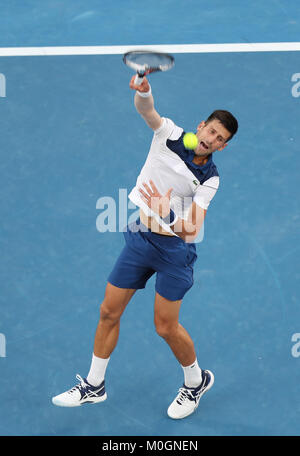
<point x="173" y="192"/>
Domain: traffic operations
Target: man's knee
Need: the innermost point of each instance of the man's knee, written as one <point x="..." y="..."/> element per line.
<point x="165" y="329"/>
<point x="109" y="312"/>
<point x="114" y="303"/>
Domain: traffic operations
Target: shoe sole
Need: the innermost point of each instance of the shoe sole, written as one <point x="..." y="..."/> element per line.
<point x="212" y="380"/>
<point x="64" y="404"/>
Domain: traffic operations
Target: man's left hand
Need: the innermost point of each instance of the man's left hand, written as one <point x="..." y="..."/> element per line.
<point x="158" y="203"/>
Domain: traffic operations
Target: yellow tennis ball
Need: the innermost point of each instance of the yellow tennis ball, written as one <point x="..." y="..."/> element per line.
<point x="190" y="141"/>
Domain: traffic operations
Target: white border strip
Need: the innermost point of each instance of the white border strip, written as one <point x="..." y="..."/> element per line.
<point x="172" y="48"/>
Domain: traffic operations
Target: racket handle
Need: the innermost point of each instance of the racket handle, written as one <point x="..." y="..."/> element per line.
<point x="139" y="78"/>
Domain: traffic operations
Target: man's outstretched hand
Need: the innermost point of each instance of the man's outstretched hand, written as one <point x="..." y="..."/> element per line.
<point x="160" y="204"/>
<point x="143" y="87"/>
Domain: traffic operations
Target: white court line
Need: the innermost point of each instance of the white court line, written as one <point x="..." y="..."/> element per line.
<point x="172" y="48"/>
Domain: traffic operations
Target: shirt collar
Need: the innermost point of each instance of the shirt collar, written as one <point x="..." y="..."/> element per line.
<point x="202" y="168"/>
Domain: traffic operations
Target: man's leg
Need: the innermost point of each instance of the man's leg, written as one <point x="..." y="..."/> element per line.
<point x="107" y="332"/>
<point x="166" y="315"/>
<point x="196" y="381"/>
<point x="111" y="310"/>
<point x="92" y="389"/>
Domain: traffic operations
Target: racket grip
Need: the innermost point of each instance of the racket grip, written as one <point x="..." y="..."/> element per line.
<point x="139" y="78"/>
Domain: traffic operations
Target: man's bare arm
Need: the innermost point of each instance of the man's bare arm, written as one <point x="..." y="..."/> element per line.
<point x="189" y="229"/>
<point x="145" y="105"/>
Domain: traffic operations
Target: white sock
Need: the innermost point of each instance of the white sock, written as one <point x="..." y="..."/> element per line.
<point x="192" y="375"/>
<point x="97" y="370"/>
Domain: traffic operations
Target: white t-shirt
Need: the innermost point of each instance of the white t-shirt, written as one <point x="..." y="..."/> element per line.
<point x="168" y="170"/>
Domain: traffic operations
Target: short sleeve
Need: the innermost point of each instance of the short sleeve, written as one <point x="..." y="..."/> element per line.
<point x="168" y="130"/>
<point x="206" y="192"/>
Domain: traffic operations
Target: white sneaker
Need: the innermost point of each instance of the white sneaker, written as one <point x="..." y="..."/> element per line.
<point x="187" y="400"/>
<point x="81" y="394"/>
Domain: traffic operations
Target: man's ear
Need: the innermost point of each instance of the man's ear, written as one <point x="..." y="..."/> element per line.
<point x="223" y="147"/>
<point x="201" y="125"/>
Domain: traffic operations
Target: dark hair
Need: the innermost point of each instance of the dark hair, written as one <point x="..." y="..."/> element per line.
<point x="227" y="120"/>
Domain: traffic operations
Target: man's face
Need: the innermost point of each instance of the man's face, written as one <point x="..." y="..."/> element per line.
<point x="211" y="137"/>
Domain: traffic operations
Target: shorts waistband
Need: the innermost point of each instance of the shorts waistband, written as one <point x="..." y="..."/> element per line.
<point x="137" y="225"/>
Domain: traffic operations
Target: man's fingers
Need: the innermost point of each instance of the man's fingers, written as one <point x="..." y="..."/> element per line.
<point x="143" y="87"/>
<point x="145" y="200"/>
<point x="168" y="194"/>
<point x="148" y="188"/>
<point x="154" y="187"/>
<point x="144" y="194"/>
<point x="132" y="85"/>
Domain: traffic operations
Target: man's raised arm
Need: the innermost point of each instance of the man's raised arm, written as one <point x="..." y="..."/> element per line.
<point x="144" y="103"/>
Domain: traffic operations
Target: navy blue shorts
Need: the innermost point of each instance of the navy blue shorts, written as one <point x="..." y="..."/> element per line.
<point x="146" y="253"/>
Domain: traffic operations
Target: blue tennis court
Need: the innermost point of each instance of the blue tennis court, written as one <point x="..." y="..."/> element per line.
<point x="72" y="146"/>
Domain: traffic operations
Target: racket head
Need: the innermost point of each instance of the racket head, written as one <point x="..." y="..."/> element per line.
<point x="146" y="62"/>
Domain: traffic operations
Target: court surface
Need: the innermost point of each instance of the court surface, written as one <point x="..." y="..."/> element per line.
<point x="70" y="136"/>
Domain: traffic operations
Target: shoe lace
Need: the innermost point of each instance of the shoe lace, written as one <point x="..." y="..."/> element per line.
<point x="184" y="395"/>
<point x="80" y="386"/>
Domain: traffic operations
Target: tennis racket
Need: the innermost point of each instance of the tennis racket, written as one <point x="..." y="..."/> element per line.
<point x="146" y="62"/>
